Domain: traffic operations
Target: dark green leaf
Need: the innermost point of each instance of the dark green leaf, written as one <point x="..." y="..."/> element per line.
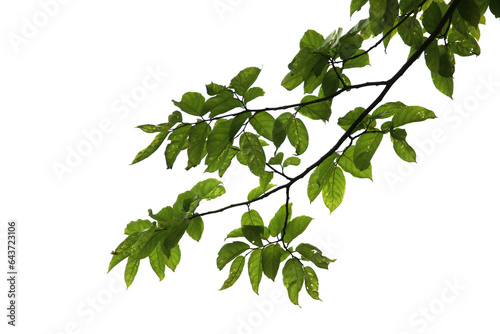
<point x="235" y="272"/>
<point x="432" y="57"/>
<point x="366" y="146"/>
<point x="173" y="235"/>
<point x="411" y="33"/>
<point x="330" y="82"/>
<point x="280" y="128"/>
<point x="295" y="228"/>
<point x="495" y="7"/>
<point x="377" y="9"/>
<point x="349" y="119"/>
<point x="255" y="269"/>
<point x="293" y="279"/>
<point x="173" y="258"/>
<point x="230" y="251"/>
<point x="214" y="89"/>
<point x="446" y="62"/>
<point x="431" y="17"/>
<point x="157" y="262"/>
<point x="253" y="153"/>
<point x="359" y="59"/>
<point x="218" y="143"/>
<point x="271" y="260"/>
<point x="356" y="5"/>
<point x="221" y="103"/>
<point x="277" y="159"/>
<point x="178" y="140"/>
<point x="469" y="11"/>
<point x="244" y="80"/>
<point x="191" y="103"/>
<point x="253" y="234"/>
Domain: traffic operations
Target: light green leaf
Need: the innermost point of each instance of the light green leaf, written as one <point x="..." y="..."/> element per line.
<point x="311" y="40"/>
<point x="191" y="103"/>
<point x="320" y="110"/>
<point x="197" y="138"/>
<point x="218" y="144"/>
<point x="280" y="128"/>
<point x="311" y="283"/>
<point x="195" y="228"/>
<point x="359" y="59"/>
<point x="263" y="123"/>
<point x="123" y="250"/>
<point x="236" y="233"/>
<point x="334" y="188"/>
<point x="348" y="119"/>
<point x="209" y="189"/>
<point x="237" y="123"/>
<point x="151" y="148"/>
<point x="253" y="153"/>
<point x="235" y="272"/>
<point x="298" y="136"/>
<point x="221" y="103"/>
<point x="411" y="33"/>
<point x="313" y="254"/>
<point x="173" y="258"/>
<point x="131" y="270"/>
<point x="356" y="5"/>
<point x="178" y="140"/>
<point x="138" y="226"/>
<point x="411" y="115"/>
<point x="244" y="80"/>
<point x="252" y="94"/>
<point x="293" y="279"/>
<point x="230" y="251"/>
<point x="257" y="192"/>
<point x="432" y="57"/>
<point x="293" y="161"/>
<point x="444" y="85"/>
<point x="271" y="256"/>
<point x="346" y="161"/>
<point x="295" y="228"/>
<point x="278" y="222"/>
<point x="156" y="260"/>
<point x="277" y="159"/>
<point x="255" y="269"/>
<point x="366" y="146"/>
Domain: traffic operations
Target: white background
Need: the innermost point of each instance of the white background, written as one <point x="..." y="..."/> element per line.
<point x="401" y="241"/>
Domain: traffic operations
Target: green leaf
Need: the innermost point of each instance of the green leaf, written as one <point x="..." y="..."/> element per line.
<point x="401" y="147"/>
<point x="319" y="177"/>
<point x="319" y="110"/>
<point x="293" y="279"/>
<point x="263" y="123"/>
<point x="173" y="258"/>
<point x="388" y="110"/>
<point x="461" y="45"/>
<point x="252" y="218"/>
<point x="349" y="119"/>
<point x="313" y="254"/>
<point x="151" y="148"/>
<point x="311" y="40"/>
<point x="411" y="115"/>
<point x="346" y="161"/>
<point x="235" y="272"/>
<point x="236" y="233"/>
<point x="446" y="62"/>
<point x="469" y="11"/>
<point x="123" y="250"/>
<point x="356" y="5"/>
<point x="359" y="59"/>
<point x="197" y="138"/>
<point x="253" y="153"/>
<point x="218" y="144"/>
<point x="236" y="123"/>
<point x="280" y="128"/>
<point x="244" y="80"/>
<point x="334" y="188"/>
<point x="230" y="251"/>
<point x="298" y="136"/>
<point x="265" y="179"/>
<point x="195" y="228"/>
<point x="136" y="250"/>
<point x="277" y="159"/>
<point x="156" y="260"/>
<point x="178" y="140"/>
<point x="174" y="234"/>
<point x="221" y="103"/>
<point x="330" y="83"/>
<point x="409" y="5"/>
<point x="164" y="215"/>
<point x="255" y="269"/>
<point x="191" y="103"/>
<point x="271" y="256"/>
<point x="214" y="89"/>
<point x="294" y="161"/>
<point x="313" y="186"/>
<point x="366" y="146"/>
<point x="209" y="189"/>
<point x="495" y="7"/>
<point x="432" y="57"/>
<point x="444" y="85"/>
<point x="431" y="17"/>
<point x="311" y="283"/>
<point x="292" y="80"/>
<point x="138" y="226"/>
<point x="253" y="234"/>
<point x="411" y="33"/>
<point x="150" y="128"/>
<point x="252" y="94"/>
<point x="295" y="228"/>
<point x="377" y="9"/>
<point x="257" y="192"/>
<point x="131" y="270"/>
<point x="278" y="222"/>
